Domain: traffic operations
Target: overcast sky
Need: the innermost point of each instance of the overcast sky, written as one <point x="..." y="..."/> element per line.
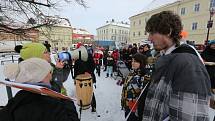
<point x="100" y="11"/>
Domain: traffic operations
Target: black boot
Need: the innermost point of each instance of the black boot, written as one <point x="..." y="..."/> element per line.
<point x="93" y="109"/>
<point x="107" y="76"/>
<point x="111" y="75"/>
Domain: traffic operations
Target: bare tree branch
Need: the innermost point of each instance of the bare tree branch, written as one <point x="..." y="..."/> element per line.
<point x="32" y="1"/>
<point x="18" y="12"/>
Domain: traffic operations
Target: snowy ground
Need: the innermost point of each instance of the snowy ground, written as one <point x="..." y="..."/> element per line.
<point x="107" y="96"/>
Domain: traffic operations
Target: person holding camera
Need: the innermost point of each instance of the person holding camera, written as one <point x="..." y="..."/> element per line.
<point x="38" y="50"/>
<point x="29" y="106"/>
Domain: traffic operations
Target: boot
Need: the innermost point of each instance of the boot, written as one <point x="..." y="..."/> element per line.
<point x="93" y="109"/>
<point x="107" y="76"/>
<point x="111" y="75"/>
<point x="118" y="82"/>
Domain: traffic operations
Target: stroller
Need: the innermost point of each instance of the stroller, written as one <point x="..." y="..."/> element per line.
<point x="121" y="70"/>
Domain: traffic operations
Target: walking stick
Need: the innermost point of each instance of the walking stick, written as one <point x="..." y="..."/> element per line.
<point x="126" y="118"/>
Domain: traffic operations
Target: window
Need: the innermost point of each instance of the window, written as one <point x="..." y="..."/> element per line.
<point x="139" y="22"/>
<point x="196" y="7"/>
<point x="212" y="3"/>
<point x="133" y="34"/>
<point x="182" y="11"/>
<point x="194" y="26"/>
<point x="112" y="30"/>
<point x="119" y="38"/>
<point x="134" y="23"/>
<point x="139" y="33"/>
<point x="113" y="37"/>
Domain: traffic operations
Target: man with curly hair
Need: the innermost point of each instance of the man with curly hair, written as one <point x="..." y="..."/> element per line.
<point x="180" y="87"/>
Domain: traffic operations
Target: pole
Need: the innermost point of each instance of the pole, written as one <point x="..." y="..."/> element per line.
<point x="126" y="118"/>
<point x="210" y="23"/>
<point x="208" y="26"/>
<point x="9" y="91"/>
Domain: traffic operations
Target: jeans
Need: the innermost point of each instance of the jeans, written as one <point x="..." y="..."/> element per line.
<point x="109" y="70"/>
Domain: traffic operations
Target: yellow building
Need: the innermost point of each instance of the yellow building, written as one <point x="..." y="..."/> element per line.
<point x="194" y="14"/>
<point x="117" y="31"/>
<point x="59" y="35"/>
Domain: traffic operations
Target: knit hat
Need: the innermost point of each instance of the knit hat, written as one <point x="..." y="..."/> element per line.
<point x="140" y="58"/>
<point x="30" y="50"/>
<point x="31" y="70"/>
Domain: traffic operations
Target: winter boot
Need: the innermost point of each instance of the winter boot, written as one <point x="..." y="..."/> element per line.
<point x="118" y="82"/>
<point x="111" y="75"/>
<point x="93" y="109"/>
<point x="122" y="82"/>
<point x="107" y="76"/>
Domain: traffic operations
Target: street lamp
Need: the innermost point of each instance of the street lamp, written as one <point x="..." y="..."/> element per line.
<point x="210" y="22"/>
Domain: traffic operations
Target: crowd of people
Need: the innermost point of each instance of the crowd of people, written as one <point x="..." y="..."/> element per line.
<point x="176" y="86"/>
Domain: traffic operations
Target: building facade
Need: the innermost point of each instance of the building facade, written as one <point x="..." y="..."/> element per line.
<point x="31" y="35"/>
<point x="195" y="15"/>
<point x="82" y="35"/>
<point x="116" y="31"/>
<point x="58" y="35"/>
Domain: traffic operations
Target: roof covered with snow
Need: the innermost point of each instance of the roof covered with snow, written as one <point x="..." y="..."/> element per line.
<point x="80" y="31"/>
<point x="121" y="24"/>
<point x="155" y="4"/>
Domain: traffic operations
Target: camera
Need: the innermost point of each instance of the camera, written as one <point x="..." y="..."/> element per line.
<point x="65" y="57"/>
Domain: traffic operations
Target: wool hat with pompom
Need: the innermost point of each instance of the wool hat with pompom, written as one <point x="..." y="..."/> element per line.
<point x="30" y="50"/>
<point x="31" y="70"/>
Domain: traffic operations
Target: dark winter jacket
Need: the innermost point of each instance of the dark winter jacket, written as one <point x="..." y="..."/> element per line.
<point x="177" y="77"/>
<point x="27" y="106"/>
<point x="59" y="76"/>
<point x="147" y="53"/>
<point x="110" y="61"/>
<point x="209" y="56"/>
<point x="81" y="67"/>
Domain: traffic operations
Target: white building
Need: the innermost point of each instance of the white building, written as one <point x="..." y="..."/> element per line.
<point x="116" y="31"/>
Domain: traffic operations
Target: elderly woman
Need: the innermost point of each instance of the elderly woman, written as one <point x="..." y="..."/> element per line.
<point x="38" y="50"/>
<point x="28" y="106"/>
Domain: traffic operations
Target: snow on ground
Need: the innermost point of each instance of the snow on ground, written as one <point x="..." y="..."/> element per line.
<point x="107" y="95"/>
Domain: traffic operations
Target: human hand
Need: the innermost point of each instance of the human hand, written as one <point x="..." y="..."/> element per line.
<point x="59" y="64"/>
